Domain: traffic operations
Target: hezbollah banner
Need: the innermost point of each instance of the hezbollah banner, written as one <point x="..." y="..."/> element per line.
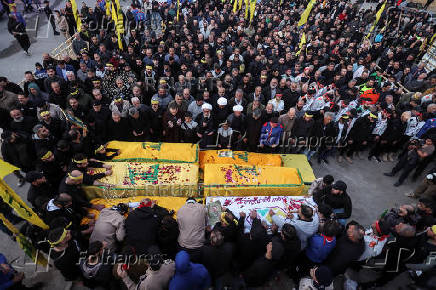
<point x="155" y="152"/>
<point x="232" y="179"/>
<point x="155" y="179"/>
<point x="23" y="242"/>
<point x="239" y="158"/>
<point x="280" y="205"/>
<point x="170" y="203"/>
<point x="14" y="200"/>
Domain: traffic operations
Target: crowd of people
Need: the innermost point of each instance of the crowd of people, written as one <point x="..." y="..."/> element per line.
<point x="332" y="87"/>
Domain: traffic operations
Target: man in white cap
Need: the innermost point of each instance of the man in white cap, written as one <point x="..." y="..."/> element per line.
<point x="205" y="129"/>
<point x="237" y="122"/>
<point x="221" y="111"/>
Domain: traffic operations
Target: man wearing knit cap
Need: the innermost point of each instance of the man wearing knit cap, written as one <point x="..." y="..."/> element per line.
<point x="337" y="198"/>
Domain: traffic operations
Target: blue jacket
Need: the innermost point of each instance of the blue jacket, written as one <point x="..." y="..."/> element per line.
<point x="188" y="275"/>
<point x="319" y="247"/>
<point x="6" y="279"/>
<point x="430" y="123"/>
<point x="68" y="67"/>
<point x="269" y="135"/>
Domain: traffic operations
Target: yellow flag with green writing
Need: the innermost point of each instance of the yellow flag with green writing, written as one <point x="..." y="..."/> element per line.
<point x="306" y="12"/>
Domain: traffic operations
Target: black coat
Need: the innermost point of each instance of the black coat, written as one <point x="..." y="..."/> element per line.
<point x="142" y="227"/>
<point x="303" y="128"/>
<point x="217" y="260"/>
<point x="118" y="131"/>
<point x="335" y="201"/>
<point x="362" y="129"/>
<point x="343" y="254"/>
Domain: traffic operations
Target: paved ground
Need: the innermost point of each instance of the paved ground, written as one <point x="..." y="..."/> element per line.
<point x="371" y="192"/>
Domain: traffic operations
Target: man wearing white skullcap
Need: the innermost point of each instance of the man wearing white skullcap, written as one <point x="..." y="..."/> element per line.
<point x="221" y="111"/>
<point x="238" y="108"/>
<point x="206" y="107"/>
<point x="205" y="129"/>
<point x="222" y="101"/>
<point x="238" y="123"/>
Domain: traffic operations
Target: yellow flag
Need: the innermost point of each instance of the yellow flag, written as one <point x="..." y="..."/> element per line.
<point x="247" y="6"/>
<point x="235" y="5"/>
<point x="120" y="22"/>
<point x="108" y="8"/>
<point x="178" y="10"/>
<point x="252" y="9"/>
<point x="306" y="12"/>
<point x="377" y="17"/>
<point x="240" y="5"/>
<point x="6" y="168"/>
<point x="114" y="14"/>
<point x="302" y="42"/>
<point x="23" y="242"/>
<point x="20" y="207"/>
<point x="432" y="39"/>
<point x="76" y="15"/>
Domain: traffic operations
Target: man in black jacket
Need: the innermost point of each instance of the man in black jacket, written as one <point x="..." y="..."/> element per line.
<point x="337" y="198"/>
<point x="146" y="217"/>
<point x="406" y="163"/>
<point x="349" y="247"/>
<point x="360" y="135"/>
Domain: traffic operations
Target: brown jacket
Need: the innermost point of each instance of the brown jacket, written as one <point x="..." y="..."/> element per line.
<point x="153" y="280"/>
<point x="109" y="227"/>
<point x="8" y="100"/>
<point x="192" y="225"/>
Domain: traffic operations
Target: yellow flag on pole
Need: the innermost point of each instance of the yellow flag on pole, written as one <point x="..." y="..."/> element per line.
<point x="114" y="14"/>
<point x="377" y="17"/>
<point x="302" y="42"/>
<point x="108" y="8"/>
<point x="252" y="9"/>
<point x="306" y="12"/>
<point x="76" y="15"/>
<point x="178" y="10"/>
<point x="120" y="22"/>
<point x="23" y="242"/>
<point x="247" y="8"/>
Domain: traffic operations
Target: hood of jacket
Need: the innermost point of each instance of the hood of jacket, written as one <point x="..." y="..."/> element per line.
<point x="183" y="262"/>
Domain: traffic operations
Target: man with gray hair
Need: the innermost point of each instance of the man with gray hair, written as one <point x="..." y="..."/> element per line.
<point x="287" y="121"/>
<point x="142" y="108"/>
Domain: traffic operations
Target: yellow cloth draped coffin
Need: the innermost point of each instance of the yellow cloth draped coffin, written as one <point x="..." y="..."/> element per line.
<point x="239" y="158"/>
<point x="155" y="152"/>
<point x="235" y="180"/>
<point x="154" y="179"/>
